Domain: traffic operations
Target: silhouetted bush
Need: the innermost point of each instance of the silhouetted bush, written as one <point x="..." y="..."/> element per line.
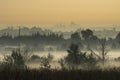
<point x="45" y="61"/>
<point x="15" y="60"/>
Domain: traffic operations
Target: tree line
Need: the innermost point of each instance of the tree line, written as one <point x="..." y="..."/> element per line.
<point x="84" y="39"/>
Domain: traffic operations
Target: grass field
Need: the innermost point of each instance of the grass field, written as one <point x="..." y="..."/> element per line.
<point x="49" y="74"/>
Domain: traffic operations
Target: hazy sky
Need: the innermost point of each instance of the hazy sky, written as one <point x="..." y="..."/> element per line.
<point x="59" y="11"/>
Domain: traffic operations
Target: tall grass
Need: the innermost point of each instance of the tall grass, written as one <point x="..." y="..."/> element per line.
<point x="54" y="74"/>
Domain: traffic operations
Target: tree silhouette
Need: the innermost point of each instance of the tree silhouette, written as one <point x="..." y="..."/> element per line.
<point x="75" y="37"/>
<point x="87" y="34"/>
<point x="103" y="49"/>
<point x="75" y="57"/>
<point x="15" y="60"/>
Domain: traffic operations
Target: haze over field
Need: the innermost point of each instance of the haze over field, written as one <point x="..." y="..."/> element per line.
<point x="60" y="39"/>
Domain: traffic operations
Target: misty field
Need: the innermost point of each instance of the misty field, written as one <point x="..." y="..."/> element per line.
<point x="33" y="71"/>
<point x="46" y="55"/>
<point x="61" y="54"/>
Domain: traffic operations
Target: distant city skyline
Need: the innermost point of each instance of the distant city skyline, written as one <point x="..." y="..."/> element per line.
<point x="72" y="26"/>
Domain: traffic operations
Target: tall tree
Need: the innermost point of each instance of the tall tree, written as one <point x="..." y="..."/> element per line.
<point x="75" y="57"/>
<point x="87" y="34"/>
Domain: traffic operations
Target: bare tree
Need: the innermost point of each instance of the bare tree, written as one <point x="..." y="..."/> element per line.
<point x="103" y="49"/>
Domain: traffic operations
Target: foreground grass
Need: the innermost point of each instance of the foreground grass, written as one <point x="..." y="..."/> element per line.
<point x="45" y="74"/>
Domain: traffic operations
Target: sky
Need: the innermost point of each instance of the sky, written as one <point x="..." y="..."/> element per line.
<point x="47" y="12"/>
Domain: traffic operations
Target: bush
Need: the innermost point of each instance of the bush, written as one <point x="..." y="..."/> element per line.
<point x="15" y="60"/>
<point x="76" y="58"/>
<point x="45" y="61"/>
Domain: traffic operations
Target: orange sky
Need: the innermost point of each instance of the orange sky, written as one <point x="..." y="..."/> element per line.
<point x="59" y="11"/>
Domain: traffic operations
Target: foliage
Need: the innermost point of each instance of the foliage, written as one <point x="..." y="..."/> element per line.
<point x="75" y="37"/>
<point x="76" y="58"/>
<point x="87" y="34"/>
<point x="15" y="60"/>
<point x="45" y="61"/>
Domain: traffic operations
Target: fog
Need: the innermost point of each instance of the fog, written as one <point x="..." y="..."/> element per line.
<point x="61" y="54"/>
